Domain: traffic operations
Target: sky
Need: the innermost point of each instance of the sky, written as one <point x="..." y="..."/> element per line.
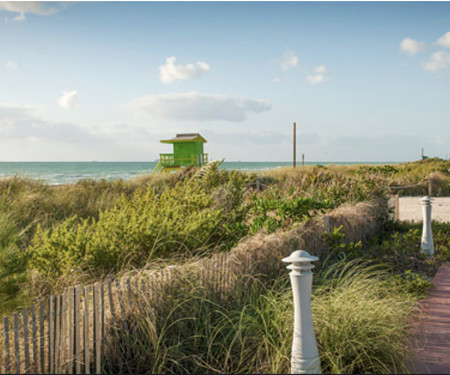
<point x="106" y="81"/>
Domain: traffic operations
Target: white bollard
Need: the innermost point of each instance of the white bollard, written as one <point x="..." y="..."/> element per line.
<point x="427" y="244"/>
<point x="305" y="356"/>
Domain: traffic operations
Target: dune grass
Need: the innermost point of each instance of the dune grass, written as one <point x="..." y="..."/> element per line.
<point x="391" y="175"/>
<point x="360" y="317"/>
<point x="286" y="198"/>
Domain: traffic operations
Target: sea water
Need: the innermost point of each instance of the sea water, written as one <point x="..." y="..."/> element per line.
<point x="57" y="173"/>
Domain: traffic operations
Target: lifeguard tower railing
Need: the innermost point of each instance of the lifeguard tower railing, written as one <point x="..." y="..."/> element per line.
<point x="169" y="162"/>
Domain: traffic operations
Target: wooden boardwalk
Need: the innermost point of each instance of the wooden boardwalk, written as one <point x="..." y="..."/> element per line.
<point x="432" y="351"/>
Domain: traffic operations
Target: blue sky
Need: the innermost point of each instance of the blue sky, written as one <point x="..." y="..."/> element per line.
<point x="365" y="81"/>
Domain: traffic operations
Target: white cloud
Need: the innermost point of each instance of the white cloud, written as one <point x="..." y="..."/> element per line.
<point x="22" y="122"/>
<point x="31" y="7"/>
<point x="319" y="77"/>
<point x="11" y="65"/>
<point x="276" y="80"/>
<point x="320" y="69"/>
<point x="194" y="106"/>
<point x="438" y="61"/>
<point x="169" y="72"/>
<point x="289" y="60"/>
<point x="68" y="100"/>
<point x="444" y="40"/>
<point x="411" y="46"/>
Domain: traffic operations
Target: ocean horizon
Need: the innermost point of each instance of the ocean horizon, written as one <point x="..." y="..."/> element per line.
<point x="64" y="172"/>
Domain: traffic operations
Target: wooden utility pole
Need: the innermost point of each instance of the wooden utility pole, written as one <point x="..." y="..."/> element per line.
<point x="295" y="141"/>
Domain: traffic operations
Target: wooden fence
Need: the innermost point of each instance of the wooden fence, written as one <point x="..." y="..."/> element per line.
<point x="66" y="333"/>
<point x="69" y="333"/>
<point x="60" y="334"/>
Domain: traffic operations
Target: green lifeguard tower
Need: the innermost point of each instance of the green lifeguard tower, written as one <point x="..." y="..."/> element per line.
<point x="187" y="150"/>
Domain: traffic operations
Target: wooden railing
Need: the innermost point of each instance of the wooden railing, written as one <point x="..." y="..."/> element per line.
<point x="168" y="160"/>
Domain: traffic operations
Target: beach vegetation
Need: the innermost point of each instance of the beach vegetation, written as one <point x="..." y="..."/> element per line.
<point x="360" y="316"/>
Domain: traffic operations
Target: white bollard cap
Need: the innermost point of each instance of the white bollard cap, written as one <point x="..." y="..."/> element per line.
<point x="426" y="200"/>
<point x="301" y="260"/>
<point x="300" y="256"/>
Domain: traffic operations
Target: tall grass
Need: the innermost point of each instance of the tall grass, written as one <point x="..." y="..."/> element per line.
<point x="95" y="213"/>
<point x="392" y="175"/>
<point x="361" y="323"/>
<point x="362" y="320"/>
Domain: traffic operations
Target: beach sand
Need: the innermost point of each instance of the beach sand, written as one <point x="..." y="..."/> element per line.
<point x="410" y="209"/>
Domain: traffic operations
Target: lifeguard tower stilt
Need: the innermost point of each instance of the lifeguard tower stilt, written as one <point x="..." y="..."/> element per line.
<point x="187" y="151"/>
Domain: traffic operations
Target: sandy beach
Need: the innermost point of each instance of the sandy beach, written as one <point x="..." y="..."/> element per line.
<point x="410" y="209"/>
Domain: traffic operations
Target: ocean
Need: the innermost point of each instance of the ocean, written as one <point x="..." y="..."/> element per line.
<point x="57" y="173"/>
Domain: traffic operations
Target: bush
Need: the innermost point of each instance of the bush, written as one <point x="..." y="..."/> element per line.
<point x="195" y="216"/>
<point x="149" y="224"/>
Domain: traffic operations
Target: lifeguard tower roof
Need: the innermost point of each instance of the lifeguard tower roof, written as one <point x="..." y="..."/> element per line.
<point x="186" y="137"/>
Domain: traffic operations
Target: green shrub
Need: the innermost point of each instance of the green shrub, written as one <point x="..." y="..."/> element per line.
<point x="147" y="225"/>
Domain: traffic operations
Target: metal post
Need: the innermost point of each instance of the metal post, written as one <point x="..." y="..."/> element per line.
<point x="295" y="145"/>
<point x="303" y="160"/>
<point x="427" y="244"/>
<point x="305" y="356"/>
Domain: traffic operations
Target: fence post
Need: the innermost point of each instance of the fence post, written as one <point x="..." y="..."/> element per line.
<point x="326" y="223"/>
<point x="305" y="356"/>
<point x="427" y="244"/>
<point x="396" y="207"/>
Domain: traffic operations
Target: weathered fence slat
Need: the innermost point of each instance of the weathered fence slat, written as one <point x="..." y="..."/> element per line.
<point x="102" y="313"/>
<point x="77" y="331"/>
<point x="42" y="336"/>
<point x="62" y="346"/>
<point x="216" y="273"/>
<point x="130" y="297"/>
<point x="16" y="342"/>
<point x="51" y="334"/>
<point x="57" y="323"/>
<point x="96" y="328"/>
<point x="204" y="277"/>
<point x="34" y="334"/>
<point x="7" y="355"/>
<point x="150" y="280"/>
<point x="121" y="305"/>
<point x="230" y="272"/>
<point x="137" y="295"/>
<point x="111" y="301"/>
<point x="131" y="303"/>
<point x="70" y="323"/>
<point x="25" y="340"/>
<point x="222" y="275"/>
<point x="86" y="346"/>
